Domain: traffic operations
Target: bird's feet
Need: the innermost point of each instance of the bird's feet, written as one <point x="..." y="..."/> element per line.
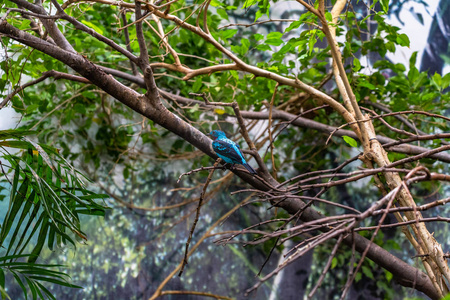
<point x="228" y="166"/>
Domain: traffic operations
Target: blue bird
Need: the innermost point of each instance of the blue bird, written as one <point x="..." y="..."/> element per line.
<point x="228" y="150"/>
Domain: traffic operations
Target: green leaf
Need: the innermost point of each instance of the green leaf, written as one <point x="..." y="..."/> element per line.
<point x="32" y="108"/>
<point x="2" y="278"/>
<point x="349" y="140"/>
<point x="19" y="281"/>
<point x="14" y="185"/>
<point x="389" y="276"/>
<point x="46" y="291"/>
<point x="403" y="40"/>
<point x="13" y="210"/>
<point x="40" y="243"/>
<point x="215" y="3"/>
<point x="245" y="44"/>
<point x="258" y="14"/>
<point x="36" y="225"/>
<point x="437" y="80"/>
<point x="293" y="25"/>
<point x="25" y="24"/>
<point x="42" y="155"/>
<point x="36" y="286"/>
<point x="197" y="85"/>
<point x="235" y="74"/>
<point x="53" y="280"/>
<point x="274" y="35"/>
<point x="92" y="26"/>
<point x="367" y="272"/>
<point x="3" y="293"/>
<point x="390" y="46"/>
<point x="2" y="84"/>
<point x="274" y="41"/>
<point x="385" y="5"/>
<point x="334" y="263"/>
<point x="221" y="12"/>
<point x="312" y="41"/>
<point x="226" y="34"/>
<point x="413" y="74"/>
<point x="92" y="212"/>
<point x="249" y="3"/>
<point x="18" y="225"/>
<point x="364" y="83"/>
<point x="445" y="81"/>
<point x="356" y="65"/>
<point x="263" y="47"/>
<point x="258" y="36"/>
<point x="51" y="237"/>
<point x="80" y="108"/>
<point x="15" y="144"/>
<point x="412" y="60"/>
<point x="420" y="80"/>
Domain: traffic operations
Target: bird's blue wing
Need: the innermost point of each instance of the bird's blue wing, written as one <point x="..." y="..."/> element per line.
<point x="225" y="149"/>
<point x="240" y="151"/>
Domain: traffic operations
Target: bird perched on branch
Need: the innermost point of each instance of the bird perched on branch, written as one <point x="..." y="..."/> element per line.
<point x="228" y="150"/>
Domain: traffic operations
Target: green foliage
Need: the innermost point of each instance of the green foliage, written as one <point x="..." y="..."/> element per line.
<point x="32" y="275"/>
<point x="47" y="195"/>
<point x="352" y="142"/>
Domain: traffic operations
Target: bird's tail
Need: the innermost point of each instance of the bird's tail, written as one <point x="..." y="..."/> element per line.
<point x="249" y="168"/>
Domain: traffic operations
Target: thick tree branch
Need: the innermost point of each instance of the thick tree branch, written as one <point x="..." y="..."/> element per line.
<point x="80" y="26"/>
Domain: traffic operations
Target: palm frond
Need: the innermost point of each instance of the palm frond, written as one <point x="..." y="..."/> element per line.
<point x="47" y="195"/>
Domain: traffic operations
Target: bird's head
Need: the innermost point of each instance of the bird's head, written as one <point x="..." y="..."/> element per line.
<point x="217" y="134"/>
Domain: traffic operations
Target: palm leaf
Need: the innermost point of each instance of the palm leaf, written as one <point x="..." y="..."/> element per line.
<point x="47" y="195"/>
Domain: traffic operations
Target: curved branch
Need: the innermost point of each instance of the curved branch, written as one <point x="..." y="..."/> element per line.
<point x="80" y="26"/>
<point x="190" y="73"/>
<point x="45" y="75"/>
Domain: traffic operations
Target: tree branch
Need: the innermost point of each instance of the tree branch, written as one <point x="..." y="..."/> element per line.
<point x="49" y="24"/>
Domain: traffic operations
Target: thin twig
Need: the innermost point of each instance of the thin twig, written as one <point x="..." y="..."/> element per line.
<point x="197" y="215"/>
<point x="257" y="23"/>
